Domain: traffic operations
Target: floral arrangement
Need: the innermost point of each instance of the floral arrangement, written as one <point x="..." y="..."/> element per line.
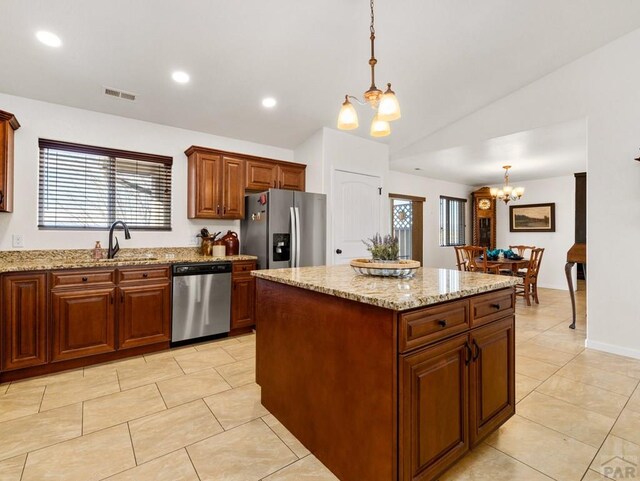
<point x="384" y="249"/>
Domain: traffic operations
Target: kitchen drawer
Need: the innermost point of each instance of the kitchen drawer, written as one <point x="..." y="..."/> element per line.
<point x="73" y="278"/>
<point x="128" y="275"/>
<point x="492" y="306"/>
<point x="243" y="268"/>
<point x="424" y="326"/>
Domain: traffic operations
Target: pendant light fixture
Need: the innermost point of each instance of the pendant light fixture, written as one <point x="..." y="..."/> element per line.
<point x="506" y="192"/>
<point x="384" y="103"/>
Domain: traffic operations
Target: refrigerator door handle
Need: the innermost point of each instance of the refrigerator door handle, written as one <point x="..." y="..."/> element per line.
<point x="297" y="237"/>
<point x="294" y="239"/>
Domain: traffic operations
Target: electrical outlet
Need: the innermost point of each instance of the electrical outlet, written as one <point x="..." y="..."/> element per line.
<point x="193" y="240"/>
<point x="17" y="240"/>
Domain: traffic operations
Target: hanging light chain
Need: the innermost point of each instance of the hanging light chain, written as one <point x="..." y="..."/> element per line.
<point x="372" y="28"/>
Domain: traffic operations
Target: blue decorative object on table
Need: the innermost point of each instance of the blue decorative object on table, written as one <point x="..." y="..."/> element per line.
<point x="492" y="255"/>
<point x="509" y="254"/>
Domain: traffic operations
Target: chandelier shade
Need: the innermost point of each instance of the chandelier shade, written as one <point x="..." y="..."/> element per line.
<point x="384" y="103"/>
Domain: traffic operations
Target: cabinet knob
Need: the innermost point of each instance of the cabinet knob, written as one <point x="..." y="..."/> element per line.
<point x="442" y="323"/>
<point x="145" y="275"/>
<point x="338" y="251"/>
<point x="85" y="279"/>
<point x="495" y="306"/>
<point x="1" y="197"/>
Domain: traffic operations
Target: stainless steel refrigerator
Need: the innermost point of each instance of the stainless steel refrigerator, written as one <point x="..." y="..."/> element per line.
<point x="285" y="228"/>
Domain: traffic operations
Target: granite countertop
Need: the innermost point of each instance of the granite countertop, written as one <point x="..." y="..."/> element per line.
<point x="39" y="260"/>
<point x="429" y="286"/>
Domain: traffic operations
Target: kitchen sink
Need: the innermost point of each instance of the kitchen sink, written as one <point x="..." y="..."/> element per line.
<point x="129" y="259"/>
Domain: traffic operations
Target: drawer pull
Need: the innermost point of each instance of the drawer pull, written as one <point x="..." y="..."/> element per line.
<point x="85" y="279"/>
<point x="495" y="306"/>
<point x="468" y="355"/>
<point x="442" y="323"/>
<point x="146" y="274"/>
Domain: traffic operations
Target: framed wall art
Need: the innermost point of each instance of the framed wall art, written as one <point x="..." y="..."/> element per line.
<point x="532" y="218"/>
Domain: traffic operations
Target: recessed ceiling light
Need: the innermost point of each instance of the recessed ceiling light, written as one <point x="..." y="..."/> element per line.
<point x="48" y="38"/>
<point x="180" y="77"/>
<point x="269" y="102"/>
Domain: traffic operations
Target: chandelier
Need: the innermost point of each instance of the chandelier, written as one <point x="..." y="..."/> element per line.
<point x="385" y="104"/>
<point x="506" y="192"/>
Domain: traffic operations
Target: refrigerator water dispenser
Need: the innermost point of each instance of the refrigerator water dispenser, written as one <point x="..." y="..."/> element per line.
<point x="281" y="247"/>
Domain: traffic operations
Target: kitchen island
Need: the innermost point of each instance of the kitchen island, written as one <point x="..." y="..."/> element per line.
<point x="386" y="379"/>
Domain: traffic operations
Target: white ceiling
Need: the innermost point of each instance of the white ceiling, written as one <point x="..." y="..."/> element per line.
<point x="446" y="58"/>
<point x="551" y="151"/>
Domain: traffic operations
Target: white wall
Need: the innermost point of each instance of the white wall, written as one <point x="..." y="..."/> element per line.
<point x="51" y="121"/>
<point x="329" y="150"/>
<point x="603" y="87"/>
<point x="431" y="189"/>
<point x="560" y="190"/>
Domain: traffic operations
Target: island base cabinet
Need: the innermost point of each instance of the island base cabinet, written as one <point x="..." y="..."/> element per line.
<point x="24" y="330"/>
<point x="434" y="429"/>
<point x="83" y="323"/>
<point x="145" y="315"/>
<point x="454" y="394"/>
<point x="492" y="376"/>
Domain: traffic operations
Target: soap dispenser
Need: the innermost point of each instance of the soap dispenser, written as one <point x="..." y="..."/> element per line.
<point x="97" y="251"/>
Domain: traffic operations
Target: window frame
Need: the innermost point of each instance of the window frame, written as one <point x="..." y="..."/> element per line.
<point x="445" y="234"/>
<point x="114" y="155"/>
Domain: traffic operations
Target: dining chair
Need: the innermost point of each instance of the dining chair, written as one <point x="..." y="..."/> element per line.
<point x="529" y="286"/>
<point x="461" y="263"/>
<point x="521" y="250"/>
<point x="473" y="262"/>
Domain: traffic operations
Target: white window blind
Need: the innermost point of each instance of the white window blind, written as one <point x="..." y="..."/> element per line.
<point x="452" y="221"/>
<point x="85" y="187"/>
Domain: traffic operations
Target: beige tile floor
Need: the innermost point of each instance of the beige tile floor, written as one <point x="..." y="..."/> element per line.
<point x="194" y="414"/>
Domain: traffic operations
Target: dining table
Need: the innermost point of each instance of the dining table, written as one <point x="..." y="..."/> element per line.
<point x="505" y="264"/>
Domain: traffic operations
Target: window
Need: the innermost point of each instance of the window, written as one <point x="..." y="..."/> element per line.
<point x="452" y="221"/>
<point x="84" y="187"/>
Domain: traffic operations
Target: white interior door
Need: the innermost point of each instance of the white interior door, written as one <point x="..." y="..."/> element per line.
<point x="356" y="214"/>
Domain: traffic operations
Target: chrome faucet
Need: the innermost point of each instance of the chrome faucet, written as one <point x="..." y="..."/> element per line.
<point x="113" y="249"/>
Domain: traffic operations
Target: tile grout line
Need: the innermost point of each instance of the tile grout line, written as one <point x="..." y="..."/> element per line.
<point x="24" y="466"/>
<point x="192" y="463"/>
<point x="283" y="441"/>
<point x="518" y="460"/>
<point x="133" y="449"/>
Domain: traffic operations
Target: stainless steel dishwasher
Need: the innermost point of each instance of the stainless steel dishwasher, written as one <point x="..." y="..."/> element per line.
<point x="201" y="300"/>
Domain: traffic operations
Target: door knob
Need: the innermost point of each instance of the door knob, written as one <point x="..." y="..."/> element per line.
<point x="338" y="251"/>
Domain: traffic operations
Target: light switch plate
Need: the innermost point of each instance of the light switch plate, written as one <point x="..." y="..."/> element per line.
<point x="17" y="240"/>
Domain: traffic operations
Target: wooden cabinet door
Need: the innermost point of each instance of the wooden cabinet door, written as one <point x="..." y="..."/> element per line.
<point x="144" y="315"/>
<point x="291" y="177"/>
<point x="492" y="377"/>
<point x="233" y="188"/>
<point x="434" y="414"/>
<point x="83" y="322"/>
<point x="24" y="330"/>
<point x="261" y="175"/>
<point x="243" y="301"/>
<point x="205" y="186"/>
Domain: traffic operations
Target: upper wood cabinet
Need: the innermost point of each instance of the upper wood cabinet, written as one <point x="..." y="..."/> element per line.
<point x="266" y="174"/>
<point x="8" y="124"/>
<point x="217" y="181"/>
<point x="24" y="326"/>
<point x="215" y="185"/>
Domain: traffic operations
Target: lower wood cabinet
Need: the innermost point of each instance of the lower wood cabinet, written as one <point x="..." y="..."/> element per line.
<point x="243" y="295"/>
<point x="83" y="322"/>
<point x="434" y="412"/>
<point x="24" y="325"/>
<point x="453" y="394"/>
<point x="144" y="315"/>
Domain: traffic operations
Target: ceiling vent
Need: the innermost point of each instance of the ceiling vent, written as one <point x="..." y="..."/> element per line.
<point x="119" y="94"/>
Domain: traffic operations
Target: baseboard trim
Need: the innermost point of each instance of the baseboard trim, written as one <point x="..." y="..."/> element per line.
<point x="612" y="349"/>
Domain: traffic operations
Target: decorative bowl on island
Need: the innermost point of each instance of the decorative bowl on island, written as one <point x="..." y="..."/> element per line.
<point x="374" y="267"/>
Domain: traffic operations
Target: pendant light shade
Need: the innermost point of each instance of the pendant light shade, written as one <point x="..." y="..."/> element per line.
<point x="379" y="128"/>
<point x="389" y="107"/>
<point x="348" y="117"/>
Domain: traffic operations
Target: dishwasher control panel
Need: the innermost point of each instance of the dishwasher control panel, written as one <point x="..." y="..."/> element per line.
<point x="201" y="268"/>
